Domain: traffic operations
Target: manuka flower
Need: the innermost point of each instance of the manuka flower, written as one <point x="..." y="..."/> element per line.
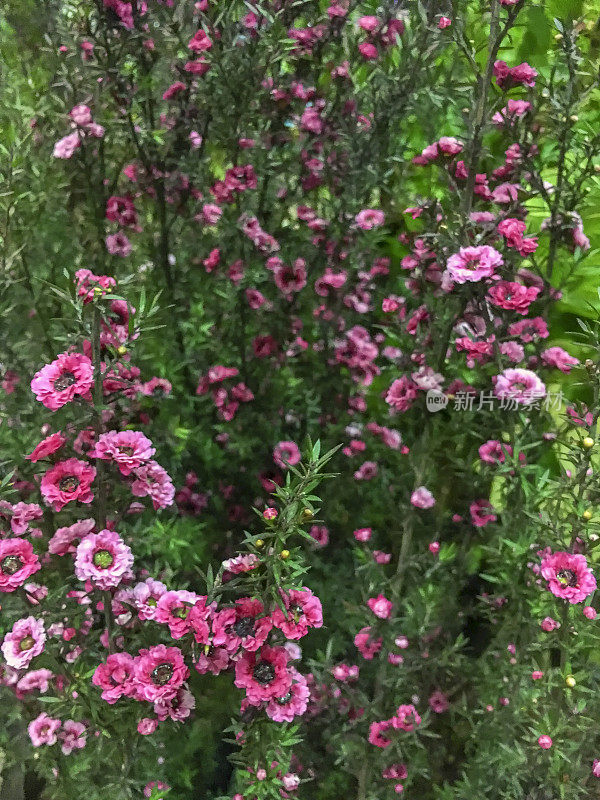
<point x="568" y="576"/>
<point x="58" y="383"/>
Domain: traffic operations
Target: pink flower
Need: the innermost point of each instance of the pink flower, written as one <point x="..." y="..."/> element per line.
<point x="320" y="534"/>
<point x="401" y="394"/>
<point x="66" y="146"/>
<point x="146" y="727"/>
<point x="118" y="244"/>
<point x="290" y="279"/>
<point x="590" y="612"/>
<point x="512" y="76"/>
<point x="545" y="742"/>
<point x="369" y="218"/>
<point x="89" y="284"/>
<point x="512" y="111"/>
<point x="18" y="562"/>
<point x="380" y="606"/>
<point x="362" y="534"/>
<point x="473" y="264"/>
<point x="286" y="454"/>
<point x="146" y="596"/>
<point x="264" y="674"/>
<point x="62" y="541"/>
<point x="376" y="733"/>
<point x="67" y="481"/>
<point x="58" y="383"/>
<point x="596" y="768"/>
<point x="35" y="679"/>
<point x="173" y="609"/>
<point x="200" y="42"/>
<point x="568" y="576"/>
<point x="246" y="626"/>
<point x="444" y="22"/>
<point x="494" y="452"/>
<point x="103" y="558"/>
<point x="522" y="386"/>
<point x="438" y="702"/>
<point x="293" y="703"/>
<point x="24" y="642"/>
<point x="513" y="296"/>
<point x="481" y="513"/>
<point x="548" y="624"/>
<point x="241" y="563"/>
<point x="395" y="771"/>
<point x="153" y="481"/>
<point x="46" y="447"/>
<point x="72" y="736"/>
<point x="121" y="209"/>
<point x="155" y="785"/>
<point x="406" y="718"/>
<point x="559" y="358"/>
<point x="434" y="548"/>
<point x="212" y="659"/>
<point x="303" y="611"/>
<point x="20" y="515"/>
<point x="159" y="672"/>
<point x="173" y="90"/>
<point x="367" y="646"/>
<point x="43" y="730"/>
<point x="176" y="708"/>
<point x="422" y="498"/>
<point x="366" y="472"/>
<point x="128" y="449"/>
<point x="368" y="50"/>
<point x="115" y="677"/>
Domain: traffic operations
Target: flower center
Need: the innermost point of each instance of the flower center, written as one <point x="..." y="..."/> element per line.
<point x="182" y="612"/>
<point x="162" y="674"/>
<point x="244" y="626"/>
<point x="151" y="601"/>
<point x="285" y="699"/>
<point x="68" y="484"/>
<point x="11" y="564"/>
<point x="64" y="381"/>
<point x="26" y="643"/>
<point x="264" y="673"/>
<point x="127" y="451"/>
<point x="103" y="559"/>
<point x="567" y="577"/>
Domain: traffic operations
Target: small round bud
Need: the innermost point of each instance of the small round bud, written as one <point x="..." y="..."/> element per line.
<point x="570" y="681"/>
<point x="259" y="543"/>
<point x="587" y="514"/>
<point x="574" y="118"/>
<point x="307" y="514"/>
<point x="558" y="37"/>
<point x="597" y="169"/>
<point x="285" y="554"/>
<point x="121" y="350"/>
<point x="588" y="442"/>
<point x="98" y="290"/>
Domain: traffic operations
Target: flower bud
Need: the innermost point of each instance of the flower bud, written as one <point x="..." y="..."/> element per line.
<point x="285" y="554"/>
<point x="587" y="514"/>
<point x="570" y="681"/>
<point x="588" y="442"/>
